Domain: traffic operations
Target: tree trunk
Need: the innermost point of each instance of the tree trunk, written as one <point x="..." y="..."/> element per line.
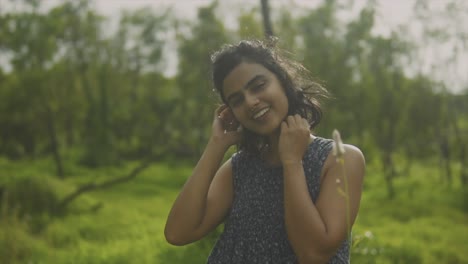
<point x="445" y="158"/>
<point x="463" y="147"/>
<point x="389" y="173"/>
<point x="69" y="111"/>
<point x="266" y="19"/>
<point x="54" y="142"/>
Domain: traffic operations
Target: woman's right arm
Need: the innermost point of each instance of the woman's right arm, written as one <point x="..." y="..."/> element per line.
<point x="206" y="197"/>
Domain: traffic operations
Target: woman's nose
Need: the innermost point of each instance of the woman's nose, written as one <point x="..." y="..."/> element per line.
<point x="252" y="100"/>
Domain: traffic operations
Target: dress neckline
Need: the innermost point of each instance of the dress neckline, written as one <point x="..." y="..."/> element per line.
<point x="264" y="163"/>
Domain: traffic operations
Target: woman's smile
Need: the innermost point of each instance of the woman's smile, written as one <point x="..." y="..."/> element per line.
<point x="260" y="115"/>
<point x="256" y="97"/>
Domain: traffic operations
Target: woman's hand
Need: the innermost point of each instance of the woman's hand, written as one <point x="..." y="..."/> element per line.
<point x="294" y="139"/>
<point x="225" y="129"/>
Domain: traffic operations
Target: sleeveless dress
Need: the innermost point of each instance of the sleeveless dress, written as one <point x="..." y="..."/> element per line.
<point x="254" y="230"/>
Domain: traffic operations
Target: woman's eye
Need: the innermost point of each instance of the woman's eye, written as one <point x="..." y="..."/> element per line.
<point x="259" y="86"/>
<point x="235" y="102"/>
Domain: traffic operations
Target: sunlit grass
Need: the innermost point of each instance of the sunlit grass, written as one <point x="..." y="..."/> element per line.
<point x="425" y="223"/>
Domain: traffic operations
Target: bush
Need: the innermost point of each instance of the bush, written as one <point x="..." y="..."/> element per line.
<point x="31" y="195"/>
<point x="16" y="245"/>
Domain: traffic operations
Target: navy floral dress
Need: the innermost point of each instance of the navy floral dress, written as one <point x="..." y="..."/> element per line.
<point x="254" y="230"/>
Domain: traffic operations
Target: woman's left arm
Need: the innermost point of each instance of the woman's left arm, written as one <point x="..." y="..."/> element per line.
<point x="316" y="231"/>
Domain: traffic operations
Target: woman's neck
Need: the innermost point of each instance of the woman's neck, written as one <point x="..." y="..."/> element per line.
<point x="271" y="154"/>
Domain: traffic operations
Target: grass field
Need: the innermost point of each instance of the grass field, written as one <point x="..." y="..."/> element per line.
<point x="426" y="223"/>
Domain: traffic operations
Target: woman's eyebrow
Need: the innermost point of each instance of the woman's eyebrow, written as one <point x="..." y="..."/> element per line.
<point x="234" y="94"/>
<point x="253" y="80"/>
<point x="246" y="86"/>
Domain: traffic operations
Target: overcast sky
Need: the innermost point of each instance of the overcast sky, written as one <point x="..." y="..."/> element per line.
<point x="394" y="11"/>
<point x="390" y="14"/>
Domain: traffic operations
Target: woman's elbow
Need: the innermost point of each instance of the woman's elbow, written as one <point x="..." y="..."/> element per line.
<point x="174" y="239"/>
<point x="313" y="258"/>
<point x="177" y="238"/>
<point x="317" y="254"/>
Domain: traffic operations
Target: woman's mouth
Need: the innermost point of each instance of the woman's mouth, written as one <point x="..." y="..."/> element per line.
<point x="261" y="113"/>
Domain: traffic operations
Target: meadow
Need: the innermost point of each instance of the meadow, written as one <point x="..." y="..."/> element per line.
<point x="425" y="223"/>
<point x="75" y="91"/>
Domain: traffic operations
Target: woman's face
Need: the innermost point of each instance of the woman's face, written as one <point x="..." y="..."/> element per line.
<point x="256" y="98"/>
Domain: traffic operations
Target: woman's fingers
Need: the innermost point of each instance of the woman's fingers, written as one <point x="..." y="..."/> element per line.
<point x="219" y="110"/>
<point x="306" y="123"/>
<point x="296" y="121"/>
<point x="227" y="118"/>
<point x="291" y="121"/>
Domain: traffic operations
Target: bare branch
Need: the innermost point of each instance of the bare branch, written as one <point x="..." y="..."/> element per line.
<point x="106" y="184"/>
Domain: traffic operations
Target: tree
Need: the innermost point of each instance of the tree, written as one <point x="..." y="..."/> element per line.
<point x="192" y="117"/>
<point x="267" y="25"/>
<point x="250" y="25"/>
<point x="444" y="28"/>
<point x="137" y="65"/>
<point x="29" y="39"/>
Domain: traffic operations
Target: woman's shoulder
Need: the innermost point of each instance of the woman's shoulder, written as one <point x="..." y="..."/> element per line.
<point x="321" y="141"/>
<point x="326" y="145"/>
<point x="322" y="149"/>
<point x="320" y="146"/>
<point x="317" y="152"/>
<point x="352" y="156"/>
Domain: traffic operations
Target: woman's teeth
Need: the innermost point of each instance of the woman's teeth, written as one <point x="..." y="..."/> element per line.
<point x="261" y="113"/>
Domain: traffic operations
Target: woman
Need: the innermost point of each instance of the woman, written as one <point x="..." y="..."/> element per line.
<point x="278" y="196"/>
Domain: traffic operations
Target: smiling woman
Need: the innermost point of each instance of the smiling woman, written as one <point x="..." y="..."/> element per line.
<point x="277" y="195"/>
<point x="256" y="98"/>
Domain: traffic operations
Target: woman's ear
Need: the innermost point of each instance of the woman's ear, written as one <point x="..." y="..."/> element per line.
<point x="230" y="122"/>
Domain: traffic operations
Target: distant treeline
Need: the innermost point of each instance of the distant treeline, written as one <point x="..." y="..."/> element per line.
<point x="77" y="90"/>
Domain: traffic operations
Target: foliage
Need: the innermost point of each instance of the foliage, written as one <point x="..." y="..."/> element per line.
<point x="77" y="96"/>
<point x="129" y="226"/>
<point x="74" y="85"/>
<point x="195" y="100"/>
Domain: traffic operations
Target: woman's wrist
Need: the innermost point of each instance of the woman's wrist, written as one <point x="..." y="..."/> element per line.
<point x="218" y="143"/>
<point x="291" y="162"/>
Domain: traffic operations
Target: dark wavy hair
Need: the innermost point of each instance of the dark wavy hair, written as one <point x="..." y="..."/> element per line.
<point x="302" y="91"/>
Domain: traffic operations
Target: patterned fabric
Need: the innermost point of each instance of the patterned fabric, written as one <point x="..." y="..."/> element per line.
<point x="254" y="231"/>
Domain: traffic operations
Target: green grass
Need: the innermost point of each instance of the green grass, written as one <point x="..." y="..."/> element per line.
<point x="425" y="223"/>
